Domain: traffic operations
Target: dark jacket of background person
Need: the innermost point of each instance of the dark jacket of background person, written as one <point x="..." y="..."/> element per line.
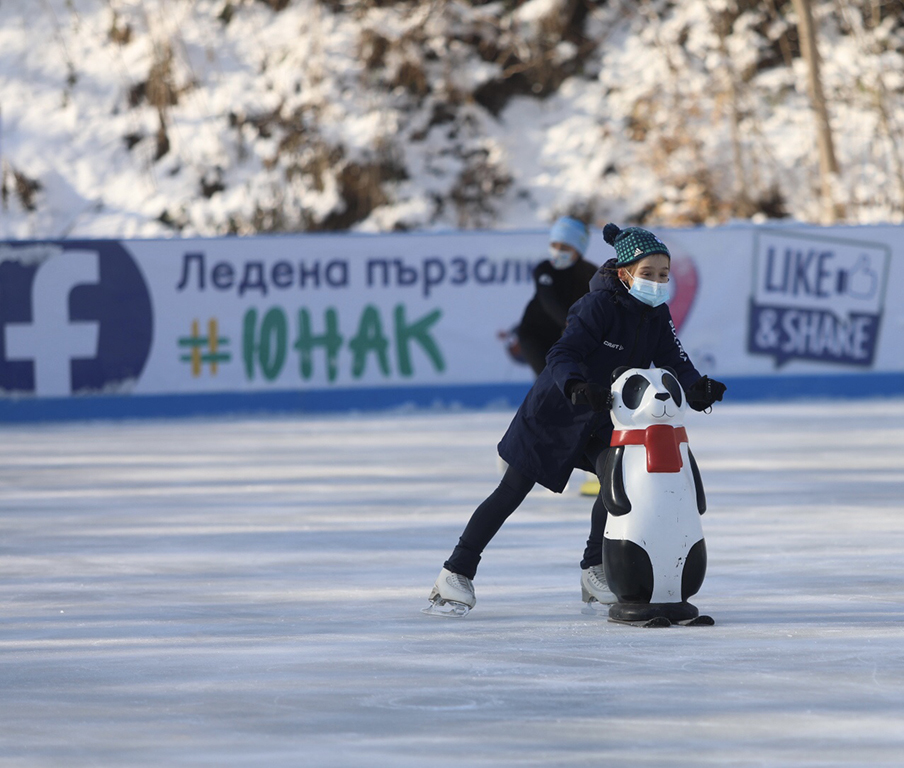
<point x="544" y="317"/>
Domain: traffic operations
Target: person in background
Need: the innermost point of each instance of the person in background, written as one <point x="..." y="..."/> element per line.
<point x="564" y="422"/>
<point x="559" y="282"/>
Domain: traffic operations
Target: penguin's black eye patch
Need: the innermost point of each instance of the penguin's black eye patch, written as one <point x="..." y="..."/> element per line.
<point x="672" y="387"/>
<point x="632" y="391"/>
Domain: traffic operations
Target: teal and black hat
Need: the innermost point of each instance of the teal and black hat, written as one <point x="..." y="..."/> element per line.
<point x="632" y="244"/>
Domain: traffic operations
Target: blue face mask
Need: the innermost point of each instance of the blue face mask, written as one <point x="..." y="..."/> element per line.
<point x="650" y="292"/>
<point x="561" y="259"/>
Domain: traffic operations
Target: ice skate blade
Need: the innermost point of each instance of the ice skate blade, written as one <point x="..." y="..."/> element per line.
<point x="587" y="597"/>
<point x="605" y="602"/>
<point x="594" y="607"/>
<point x="657" y="621"/>
<point x="662" y="621"/>
<point x="449" y="609"/>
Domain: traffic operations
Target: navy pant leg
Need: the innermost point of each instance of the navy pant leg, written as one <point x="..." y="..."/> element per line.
<point x="487" y="520"/>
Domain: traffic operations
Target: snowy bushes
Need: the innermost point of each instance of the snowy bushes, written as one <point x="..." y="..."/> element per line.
<point x="240" y="116"/>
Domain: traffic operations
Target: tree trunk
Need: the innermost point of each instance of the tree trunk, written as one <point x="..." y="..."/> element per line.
<point x="828" y="165"/>
<point x="740" y="206"/>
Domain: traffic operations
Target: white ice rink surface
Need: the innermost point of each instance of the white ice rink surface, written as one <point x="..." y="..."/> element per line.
<point x="247" y="593"/>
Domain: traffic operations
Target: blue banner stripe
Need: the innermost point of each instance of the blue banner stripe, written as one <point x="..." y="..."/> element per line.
<point x="485" y="396"/>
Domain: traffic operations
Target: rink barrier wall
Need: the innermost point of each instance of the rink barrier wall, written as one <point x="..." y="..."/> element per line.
<point x="490" y="397"/>
<point x="346" y="322"/>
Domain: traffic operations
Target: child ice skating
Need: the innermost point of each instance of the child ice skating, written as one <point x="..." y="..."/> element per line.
<point x="564" y="421"/>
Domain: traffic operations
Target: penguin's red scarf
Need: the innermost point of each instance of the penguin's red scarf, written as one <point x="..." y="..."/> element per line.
<point x="662" y="442"/>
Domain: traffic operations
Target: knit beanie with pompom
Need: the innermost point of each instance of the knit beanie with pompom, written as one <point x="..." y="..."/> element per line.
<point x="632" y="244"/>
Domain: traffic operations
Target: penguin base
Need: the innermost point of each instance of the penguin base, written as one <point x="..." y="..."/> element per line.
<point x="676" y="613"/>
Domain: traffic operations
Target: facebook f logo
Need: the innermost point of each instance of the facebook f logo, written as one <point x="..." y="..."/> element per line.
<point x="52" y="339"/>
<point x="75" y="317"/>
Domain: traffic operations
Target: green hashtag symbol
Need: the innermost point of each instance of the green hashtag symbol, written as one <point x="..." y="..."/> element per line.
<point x="196" y="343"/>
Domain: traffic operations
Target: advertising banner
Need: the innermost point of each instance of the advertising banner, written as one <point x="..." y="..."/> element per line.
<point x="314" y="314"/>
<point x="312" y="322"/>
<point x="796" y="310"/>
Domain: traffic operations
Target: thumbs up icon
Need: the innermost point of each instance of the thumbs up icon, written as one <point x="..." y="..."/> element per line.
<point x="860" y="281"/>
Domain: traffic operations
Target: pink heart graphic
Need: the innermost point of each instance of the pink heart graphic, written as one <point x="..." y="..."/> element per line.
<point x="683" y="275"/>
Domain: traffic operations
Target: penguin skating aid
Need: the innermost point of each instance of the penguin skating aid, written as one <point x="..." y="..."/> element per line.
<point x="654" y="552"/>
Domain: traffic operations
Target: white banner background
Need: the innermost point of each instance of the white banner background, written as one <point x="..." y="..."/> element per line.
<point x="422" y="310"/>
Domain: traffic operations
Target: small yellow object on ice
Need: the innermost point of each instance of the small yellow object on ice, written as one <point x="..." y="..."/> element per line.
<point x="591" y="487"/>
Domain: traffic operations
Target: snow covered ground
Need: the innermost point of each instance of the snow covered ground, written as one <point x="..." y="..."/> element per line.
<point x="247" y="592"/>
<point x="153" y="118"/>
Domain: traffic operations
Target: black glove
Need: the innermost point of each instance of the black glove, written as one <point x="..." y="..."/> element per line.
<point x="704" y="392"/>
<point x="598" y="397"/>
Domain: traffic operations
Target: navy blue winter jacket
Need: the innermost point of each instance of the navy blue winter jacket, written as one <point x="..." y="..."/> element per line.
<point x="608" y="328"/>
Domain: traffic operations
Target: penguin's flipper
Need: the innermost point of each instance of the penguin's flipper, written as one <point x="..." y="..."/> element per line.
<point x="698" y="483"/>
<point x="615" y="498"/>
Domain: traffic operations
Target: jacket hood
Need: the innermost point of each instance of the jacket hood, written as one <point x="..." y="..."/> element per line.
<point x="606" y="279"/>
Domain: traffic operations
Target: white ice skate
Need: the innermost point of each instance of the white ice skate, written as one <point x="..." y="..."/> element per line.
<point x="452" y="595"/>
<point x="595" y="591"/>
